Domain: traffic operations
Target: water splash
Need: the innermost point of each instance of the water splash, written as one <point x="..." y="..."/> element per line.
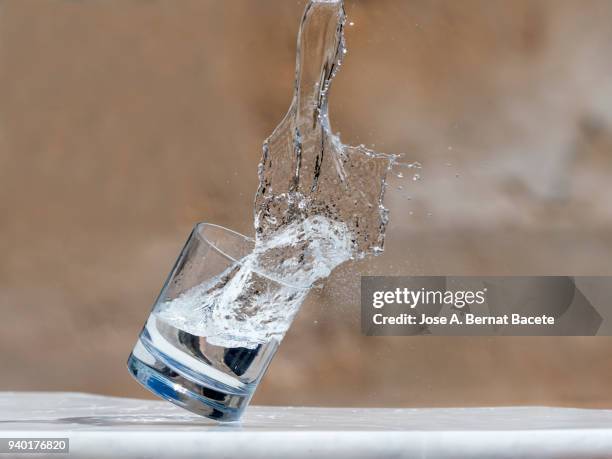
<point x="319" y="204"/>
<point x="305" y="168"/>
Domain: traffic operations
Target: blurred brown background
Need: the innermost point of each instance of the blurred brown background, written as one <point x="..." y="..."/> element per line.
<point x="123" y="122"/>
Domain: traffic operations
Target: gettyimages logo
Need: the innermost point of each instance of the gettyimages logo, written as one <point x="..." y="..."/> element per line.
<point x="414" y="298"/>
<point x="471" y="306"/>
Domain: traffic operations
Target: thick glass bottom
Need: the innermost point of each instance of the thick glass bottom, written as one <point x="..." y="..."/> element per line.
<point x="165" y="382"/>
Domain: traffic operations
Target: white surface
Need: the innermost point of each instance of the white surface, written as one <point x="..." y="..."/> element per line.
<point x="100" y="427"/>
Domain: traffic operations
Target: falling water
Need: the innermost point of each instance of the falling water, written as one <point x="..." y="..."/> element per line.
<point x="319" y="204"/>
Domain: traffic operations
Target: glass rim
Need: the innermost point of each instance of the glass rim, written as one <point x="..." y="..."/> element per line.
<point x="222" y="252"/>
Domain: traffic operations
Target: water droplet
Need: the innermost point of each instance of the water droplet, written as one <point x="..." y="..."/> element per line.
<point x="400" y="175"/>
<point x="416" y="177"/>
<point x="351" y="23"/>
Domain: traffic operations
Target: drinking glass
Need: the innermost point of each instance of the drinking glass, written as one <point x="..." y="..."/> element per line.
<point x="176" y="360"/>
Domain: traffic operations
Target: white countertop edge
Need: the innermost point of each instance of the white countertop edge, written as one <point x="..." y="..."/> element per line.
<point x="568" y="443"/>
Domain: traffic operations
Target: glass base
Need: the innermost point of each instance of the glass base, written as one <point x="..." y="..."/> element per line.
<point x="165" y="382"/>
